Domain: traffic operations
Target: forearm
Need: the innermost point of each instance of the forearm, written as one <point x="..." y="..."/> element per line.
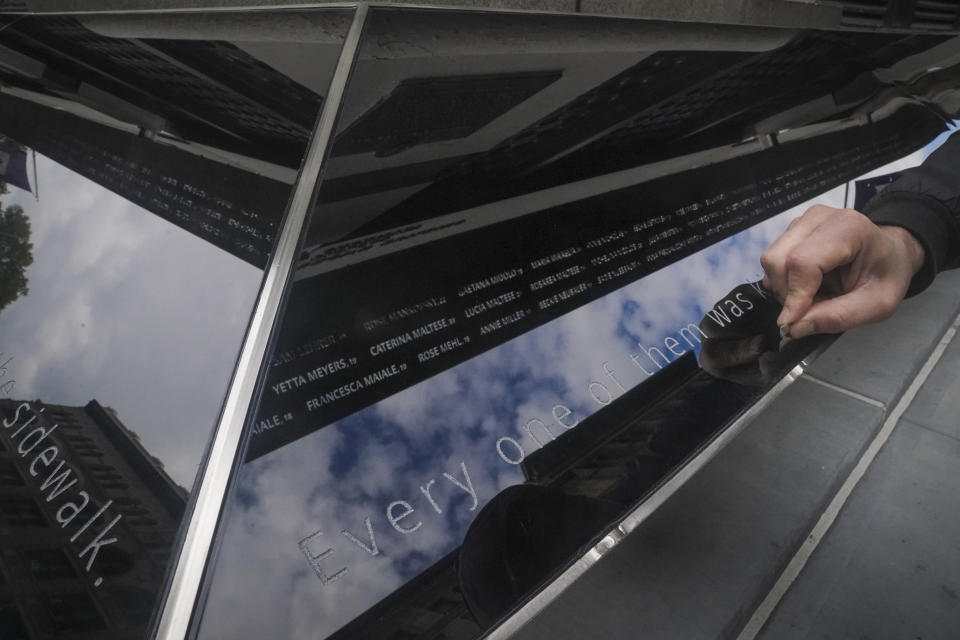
<point x="925" y="201"/>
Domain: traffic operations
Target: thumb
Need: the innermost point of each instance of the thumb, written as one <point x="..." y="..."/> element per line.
<point x="803" y="282"/>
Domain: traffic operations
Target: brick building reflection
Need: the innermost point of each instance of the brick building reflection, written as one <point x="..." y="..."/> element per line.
<point x="45" y="588"/>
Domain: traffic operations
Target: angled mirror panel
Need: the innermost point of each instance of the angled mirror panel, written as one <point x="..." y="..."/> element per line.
<point x="535" y="243"/>
<point x="146" y="165"/>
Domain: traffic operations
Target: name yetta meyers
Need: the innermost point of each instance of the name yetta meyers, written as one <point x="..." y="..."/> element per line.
<point x="55" y="477"/>
<point x="400" y="514"/>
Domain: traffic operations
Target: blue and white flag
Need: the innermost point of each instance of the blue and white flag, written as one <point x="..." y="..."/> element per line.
<point x="13" y="167"/>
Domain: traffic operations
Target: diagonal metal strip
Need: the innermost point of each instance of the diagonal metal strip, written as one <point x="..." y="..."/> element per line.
<point x="177" y="611"/>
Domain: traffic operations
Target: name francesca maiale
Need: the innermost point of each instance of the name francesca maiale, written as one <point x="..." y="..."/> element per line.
<point x="28" y="432"/>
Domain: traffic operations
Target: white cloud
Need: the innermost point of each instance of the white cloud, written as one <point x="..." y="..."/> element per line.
<point x="129" y="309"/>
<point x="453" y="417"/>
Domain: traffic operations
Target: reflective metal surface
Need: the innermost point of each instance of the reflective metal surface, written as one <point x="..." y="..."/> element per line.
<point x="177" y="611"/>
<point x="147" y="164"/>
<point x="530" y="235"/>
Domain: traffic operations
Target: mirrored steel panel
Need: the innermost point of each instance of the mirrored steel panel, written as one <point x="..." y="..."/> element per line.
<point x="528" y="295"/>
<point x="145" y="166"/>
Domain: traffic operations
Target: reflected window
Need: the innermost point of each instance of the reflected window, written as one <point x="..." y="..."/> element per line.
<point x="135" y="604"/>
<point x="9" y="476"/>
<point x="64" y="419"/>
<point x="12" y="626"/>
<point x="424" y="110"/>
<point x="48" y="564"/>
<point x="159" y="551"/>
<point x="107" y="477"/>
<point x="146" y="163"/>
<point x="75" y="613"/>
<point x="130" y="507"/>
<point x="114" y="562"/>
<point x="141" y="522"/>
<point x="83" y="446"/>
<point x="21" y="512"/>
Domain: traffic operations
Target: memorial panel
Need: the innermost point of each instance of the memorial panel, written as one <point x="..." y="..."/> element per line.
<point x="527" y="296"/>
<point x="145" y="166"/>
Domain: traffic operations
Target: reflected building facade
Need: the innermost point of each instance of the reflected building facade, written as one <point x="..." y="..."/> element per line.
<point x="165" y="123"/>
<point x="53" y="585"/>
<point x="463" y="263"/>
<point x="477" y="366"/>
<point x="199" y="195"/>
<point x="200" y="121"/>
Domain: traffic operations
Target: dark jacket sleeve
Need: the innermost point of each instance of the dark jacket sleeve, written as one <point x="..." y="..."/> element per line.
<point x="925" y="201"/>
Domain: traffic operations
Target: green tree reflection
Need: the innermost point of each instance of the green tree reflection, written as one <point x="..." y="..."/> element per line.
<point x="16" y="253"/>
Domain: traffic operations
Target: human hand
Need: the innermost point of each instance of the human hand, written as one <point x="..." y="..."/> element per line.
<point x="834" y="269"/>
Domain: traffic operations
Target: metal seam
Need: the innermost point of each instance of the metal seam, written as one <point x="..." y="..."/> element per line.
<point x="187" y="578"/>
<point x="302" y="6"/>
<point x="845" y="391"/>
<point x="631" y="521"/>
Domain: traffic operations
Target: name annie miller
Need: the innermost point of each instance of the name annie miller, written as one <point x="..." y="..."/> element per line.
<point x="57" y="479"/>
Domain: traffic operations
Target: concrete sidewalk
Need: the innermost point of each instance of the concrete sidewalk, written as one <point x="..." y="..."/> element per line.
<point x="889" y="567"/>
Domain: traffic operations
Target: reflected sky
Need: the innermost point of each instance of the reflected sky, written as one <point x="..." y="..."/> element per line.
<point x="327" y="526"/>
<point x="394" y="449"/>
<point x="166" y="149"/>
<point x="129" y="309"/>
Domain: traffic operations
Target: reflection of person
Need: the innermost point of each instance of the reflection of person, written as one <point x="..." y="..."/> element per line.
<point x="522" y="536"/>
<point x="747" y="348"/>
<point x="837" y="268"/>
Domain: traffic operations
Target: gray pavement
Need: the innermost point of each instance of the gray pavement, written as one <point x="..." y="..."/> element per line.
<point x="889" y="568"/>
<point x="937" y="406"/>
<point x="694" y="569"/>
<point x="877" y="360"/>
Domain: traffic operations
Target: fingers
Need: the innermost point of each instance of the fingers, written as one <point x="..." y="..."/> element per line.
<point x="838" y="251"/>
<point x="862" y="305"/>
<point x="774" y="259"/>
<point x="835" y="240"/>
<point x="826" y="248"/>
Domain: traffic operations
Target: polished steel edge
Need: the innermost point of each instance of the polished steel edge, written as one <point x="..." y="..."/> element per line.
<point x="188" y="575"/>
<point x="540" y="601"/>
<point x="416" y="5"/>
<point x="319" y="5"/>
<point x="201" y="9"/>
